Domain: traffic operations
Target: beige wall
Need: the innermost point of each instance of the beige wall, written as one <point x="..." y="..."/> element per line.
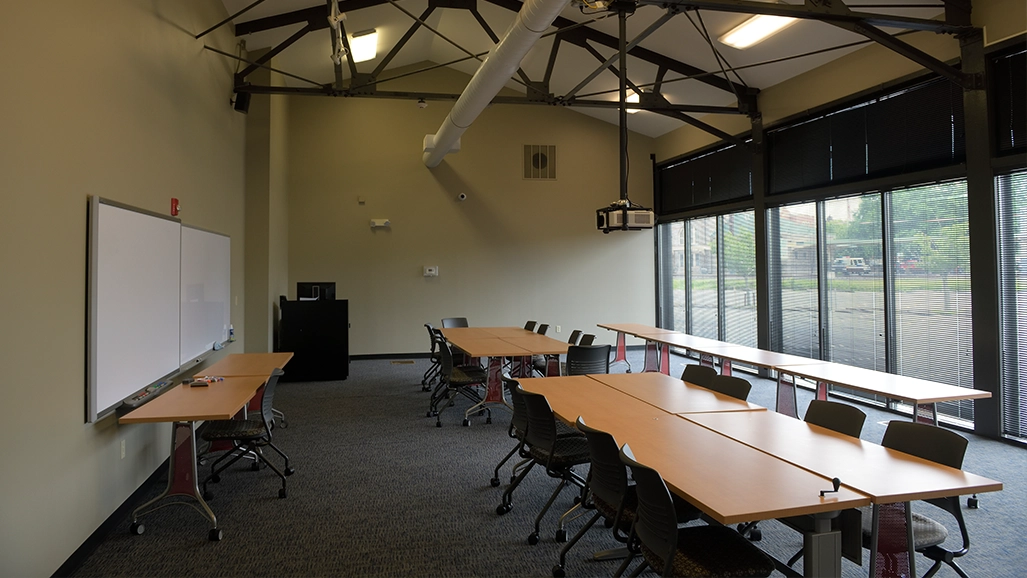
<point x="860" y="70"/>
<point x="514" y="250"/>
<point x="99" y="98"/>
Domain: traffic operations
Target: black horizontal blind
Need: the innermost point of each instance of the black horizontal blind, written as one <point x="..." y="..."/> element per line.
<point x="1009" y="83"/>
<point x="1012" y="195"/>
<point x="916" y="128"/>
<point x="713" y="177"/>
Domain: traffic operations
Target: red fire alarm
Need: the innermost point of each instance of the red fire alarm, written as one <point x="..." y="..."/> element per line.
<point x="174" y="207"/>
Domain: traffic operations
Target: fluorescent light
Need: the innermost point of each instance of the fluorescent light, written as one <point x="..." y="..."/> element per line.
<point x="756" y="29"/>
<point x="632" y="99"/>
<point x="364" y="45"/>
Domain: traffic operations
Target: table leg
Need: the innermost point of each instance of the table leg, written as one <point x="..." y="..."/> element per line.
<point x="552" y="365"/>
<point x="822" y="548"/>
<point x="891" y="540"/>
<point x="706" y="359"/>
<point x="494" y="389"/>
<point x="664" y="358"/>
<point x="786" y="401"/>
<point x="725" y="366"/>
<point x="621" y="353"/>
<point x="652" y="357"/>
<point x="925" y="413"/>
<point x="822" y="390"/>
<point x="182" y="479"/>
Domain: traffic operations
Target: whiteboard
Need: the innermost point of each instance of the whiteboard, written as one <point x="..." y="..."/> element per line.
<point x="134" y="281"/>
<point x="206" y="285"/>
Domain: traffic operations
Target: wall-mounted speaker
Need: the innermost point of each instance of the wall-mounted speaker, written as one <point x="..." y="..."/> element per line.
<point x="242" y="102"/>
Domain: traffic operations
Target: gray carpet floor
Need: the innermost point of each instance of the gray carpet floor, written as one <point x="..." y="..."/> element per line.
<point x="380" y="491"/>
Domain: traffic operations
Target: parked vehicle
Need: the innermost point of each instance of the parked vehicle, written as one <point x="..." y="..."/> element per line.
<point x="850" y="266"/>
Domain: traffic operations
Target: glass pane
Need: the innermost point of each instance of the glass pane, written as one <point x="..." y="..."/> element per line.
<point x="702" y="289"/>
<point x="672" y="275"/>
<point x="1012" y="192"/>
<point x="738" y="232"/>
<point x="932" y="287"/>
<point x="855" y="282"/>
<point x="793" y="253"/>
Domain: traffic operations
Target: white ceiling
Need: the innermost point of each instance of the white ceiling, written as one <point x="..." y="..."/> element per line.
<point x="677" y="39"/>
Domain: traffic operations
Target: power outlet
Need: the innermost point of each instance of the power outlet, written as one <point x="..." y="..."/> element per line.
<point x="122" y="449"/>
<point x="557" y="328"/>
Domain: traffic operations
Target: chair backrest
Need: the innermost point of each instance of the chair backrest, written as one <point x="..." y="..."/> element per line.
<point x="587" y="339"/>
<point x="656" y="522"/>
<point x="698" y="374"/>
<point x="454" y="322"/>
<point x="575" y="336"/>
<point x="446" y="365"/>
<point x="431" y="335"/>
<point x="582" y="359"/>
<point x="608" y="476"/>
<point x="926" y="441"/>
<point x="840" y="417"/>
<point x="530" y="325"/>
<point x="266" y="411"/>
<point x="730" y="385"/>
<point x="519" y="420"/>
<point x="542" y="328"/>
<point x="541" y="433"/>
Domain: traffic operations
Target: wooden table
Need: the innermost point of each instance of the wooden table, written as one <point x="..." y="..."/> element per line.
<point x="238" y="364"/>
<point x="924" y="395"/>
<point x="710" y="470"/>
<point x="184" y="406"/>
<point x="652" y="359"/>
<point x="887" y="476"/>
<point x="673" y="395"/>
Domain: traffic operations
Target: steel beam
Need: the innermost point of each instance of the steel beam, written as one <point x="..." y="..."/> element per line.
<point x="402" y="41"/>
<point x="317" y="16"/>
<point x="240" y="77"/>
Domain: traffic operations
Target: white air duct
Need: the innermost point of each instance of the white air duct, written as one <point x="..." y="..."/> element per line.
<point x="501" y="64"/>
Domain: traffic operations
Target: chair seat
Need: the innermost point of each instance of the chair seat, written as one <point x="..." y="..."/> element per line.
<point x="568" y="450"/>
<point x="714" y="551"/>
<point x="926" y="532"/>
<point x="467" y="375"/>
<point x="233" y="429"/>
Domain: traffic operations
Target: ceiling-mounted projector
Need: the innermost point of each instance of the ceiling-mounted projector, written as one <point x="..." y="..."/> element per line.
<point x="623" y="215"/>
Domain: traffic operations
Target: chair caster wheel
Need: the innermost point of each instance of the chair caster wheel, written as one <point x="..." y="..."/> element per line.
<point x="608" y="522"/>
<point x="973" y="503"/>
<point x="558" y="571"/>
<point x="488" y="419"/>
<point x="289" y="471"/>
<point x="136" y="529"/>
<point x="208" y="495"/>
<point x="561" y="535"/>
<point x="438" y="424"/>
<point x="428" y="414"/>
<point x="466" y="422"/>
<point x="216" y="479"/>
<point x="577" y="500"/>
<point x="755" y="535"/>
<point x="628" y="371"/>
<point x="533" y="539"/>
<point x="503" y="509"/>
<point x="282" y="493"/>
<point x="255" y="466"/>
<point x="494" y="482"/>
<point x="215" y="535"/>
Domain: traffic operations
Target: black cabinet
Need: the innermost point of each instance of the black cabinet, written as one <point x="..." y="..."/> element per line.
<point x="317" y="332"/>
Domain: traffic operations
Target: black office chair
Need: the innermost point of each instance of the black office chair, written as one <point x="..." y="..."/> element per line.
<point x="584" y="359"/>
<point x="435" y="358"/>
<point x="938" y="445"/>
<point x="458" y="380"/>
<point x="700" y="375"/>
<point x="530" y="325"/>
<point x="575" y="336"/>
<point x="690" y="551"/>
<point x="613" y="495"/>
<point x="587" y="339"/>
<point x="542" y="328"/>
<point x="736" y="387"/>
<point x="559" y="455"/>
<point x="448" y="322"/>
<point x="846" y="420"/>
<point x="248" y="437"/>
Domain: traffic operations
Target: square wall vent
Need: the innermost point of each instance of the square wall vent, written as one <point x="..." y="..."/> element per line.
<point x="540" y="162"/>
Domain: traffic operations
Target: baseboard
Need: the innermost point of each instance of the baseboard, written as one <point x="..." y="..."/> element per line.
<point x="390" y="356"/>
<point x="72" y="564"/>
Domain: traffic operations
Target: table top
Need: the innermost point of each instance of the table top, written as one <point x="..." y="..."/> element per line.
<point x="539" y="344"/>
<point x="466" y="333"/>
<point x="899" y="387"/>
<point x="488" y="347"/>
<point x="758" y="357"/>
<point x="673" y="395"/>
<point x="505" y="332"/>
<point x="636" y="329"/>
<point x="884" y="474"/>
<point x="219" y="400"/>
<point x="712" y="471"/>
<point x="243" y="364"/>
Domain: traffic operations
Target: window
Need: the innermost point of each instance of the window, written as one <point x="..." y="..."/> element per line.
<point x="702" y="284"/>
<point x="1012" y="195"/>
<point x="738" y="232"/>
<point x="794" y="282"/>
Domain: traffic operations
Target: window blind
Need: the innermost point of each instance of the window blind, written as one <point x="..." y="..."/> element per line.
<point x="712" y="177"/>
<point x="738" y="235"/>
<point x="702" y="287"/>
<point x="1009" y="85"/>
<point x="794" y="284"/>
<point x="1012" y="195"/>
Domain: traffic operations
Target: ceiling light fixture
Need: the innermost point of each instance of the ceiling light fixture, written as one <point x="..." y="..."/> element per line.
<point x="756" y="29"/>
<point x="364" y="45"/>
